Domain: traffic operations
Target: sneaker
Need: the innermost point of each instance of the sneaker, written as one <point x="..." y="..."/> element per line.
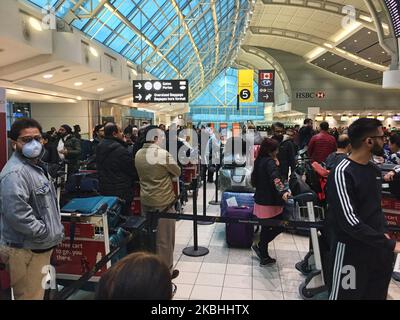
<point x="257" y="251"/>
<point x="266" y="261"/>
<point x="175" y="274"/>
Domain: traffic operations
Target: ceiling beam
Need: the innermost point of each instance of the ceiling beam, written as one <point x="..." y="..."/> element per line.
<point x="189" y="34"/>
<point x="362" y="17"/>
<point x="307" y="38"/>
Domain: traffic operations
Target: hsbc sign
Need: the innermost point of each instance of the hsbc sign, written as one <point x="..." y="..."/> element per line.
<point x="311" y="95"/>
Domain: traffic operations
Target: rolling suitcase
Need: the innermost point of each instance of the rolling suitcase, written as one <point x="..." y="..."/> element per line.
<point x="242" y="199"/>
<point x="239" y="235"/>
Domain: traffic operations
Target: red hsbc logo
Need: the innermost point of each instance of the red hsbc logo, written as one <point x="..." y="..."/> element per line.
<point x="320" y="95"/>
<point x="311" y="95"/>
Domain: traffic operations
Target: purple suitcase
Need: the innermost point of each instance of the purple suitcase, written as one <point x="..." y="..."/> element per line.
<point x="239" y="235"/>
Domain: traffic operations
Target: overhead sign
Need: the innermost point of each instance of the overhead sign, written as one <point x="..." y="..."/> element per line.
<point x="311" y="95"/>
<point x="160" y="91"/>
<point x="266" y="86"/>
<point x="245" y="85"/>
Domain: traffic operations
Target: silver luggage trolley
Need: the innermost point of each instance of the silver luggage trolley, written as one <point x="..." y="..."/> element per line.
<point x="314" y="286"/>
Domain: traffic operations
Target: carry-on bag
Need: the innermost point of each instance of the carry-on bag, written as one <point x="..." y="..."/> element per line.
<point x="239" y="235"/>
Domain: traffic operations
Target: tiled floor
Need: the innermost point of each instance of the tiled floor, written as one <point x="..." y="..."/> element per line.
<point x="235" y="274"/>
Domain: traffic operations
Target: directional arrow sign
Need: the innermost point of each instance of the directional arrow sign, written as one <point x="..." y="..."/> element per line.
<point x="161" y="91"/>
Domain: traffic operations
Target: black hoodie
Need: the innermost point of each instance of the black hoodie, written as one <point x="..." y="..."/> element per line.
<point x="115" y="167"/>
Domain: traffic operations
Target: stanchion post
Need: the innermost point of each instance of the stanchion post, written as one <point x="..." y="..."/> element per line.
<point x="195" y="251"/>
<point x="215" y="202"/>
<point x="204" y="178"/>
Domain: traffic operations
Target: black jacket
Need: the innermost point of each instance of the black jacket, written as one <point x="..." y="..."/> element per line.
<point x="355" y="214"/>
<point x="334" y="159"/>
<point x="114" y="167"/>
<point x="268" y="183"/>
<point x="287" y="157"/>
<point x="305" y="135"/>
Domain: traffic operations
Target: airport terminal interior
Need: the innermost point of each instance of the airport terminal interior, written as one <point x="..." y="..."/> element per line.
<point x="100" y="73"/>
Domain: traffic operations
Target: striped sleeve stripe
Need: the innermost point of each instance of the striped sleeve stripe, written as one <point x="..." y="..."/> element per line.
<point x="342" y="193"/>
<point x="346" y="197"/>
<point x="337" y="271"/>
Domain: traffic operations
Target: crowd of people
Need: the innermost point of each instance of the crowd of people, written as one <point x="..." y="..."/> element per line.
<point x="30" y="223"/>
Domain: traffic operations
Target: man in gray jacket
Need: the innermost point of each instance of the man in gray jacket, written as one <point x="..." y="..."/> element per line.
<point x="30" y="220"/>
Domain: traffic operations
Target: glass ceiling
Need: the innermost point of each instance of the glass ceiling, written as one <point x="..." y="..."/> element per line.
<point x="217" y="103"/>
<point x="192" y="39"/>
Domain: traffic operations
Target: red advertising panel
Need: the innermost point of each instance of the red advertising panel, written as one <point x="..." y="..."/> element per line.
<point x="79" y="258"/>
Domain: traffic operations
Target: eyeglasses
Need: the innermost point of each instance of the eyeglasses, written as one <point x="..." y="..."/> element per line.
<point x="174" y="288"/>
<point x="375" y="137"/>
<point x="28" y="139"/>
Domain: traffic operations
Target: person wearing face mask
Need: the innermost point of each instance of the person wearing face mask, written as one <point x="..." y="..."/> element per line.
<point x="156" y="168"/>
<point x="69" y="148"/>
<point x="362" y="252"/>
<point x="30" y="220"/>
<point x="115" y="166"/>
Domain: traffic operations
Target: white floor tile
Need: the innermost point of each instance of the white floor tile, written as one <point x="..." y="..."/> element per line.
<point x="206" y="293"/>
<point x="216" y="268"/>
<point x="291" y="296"/>
<point x="267" y="295"/>
<point x="285" y="246"/>
<point x="267" y="284"/>
<point x="210" y="279"/>
<point x="188" y="266"/>
<point x="183" y="291"/>
<point x="239" y="270"/>
<point x="186" y="278"/>
<point x="244" y="282"/>
<point x="266" y="272"/>
<point x="289" y="285"/>
<point x="236" y="294"/>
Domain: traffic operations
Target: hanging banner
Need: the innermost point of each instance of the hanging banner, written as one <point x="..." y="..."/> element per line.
<point x="245" y="85"/>
<point x="266" y="86"/>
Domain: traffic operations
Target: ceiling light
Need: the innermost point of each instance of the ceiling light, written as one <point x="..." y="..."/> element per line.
<point x="93" y="51"/>
<point x="356" y="64"/>
<point x="365" y="18"/>
<point x="100" y="89"/>
<point x="369" y="58"/>
<point x="367" y="75"/>
<point x="369" y="32"/>
<point x="323" y="59"/>
<point x="35" y="24"/>
<point x="344" y="68"/>
<point x="48" y="76"/>
<point x="383" y="52"/>
<point x="355" y="40"/>
<point x="78" y="84"/>
<point x="79" y="98"/>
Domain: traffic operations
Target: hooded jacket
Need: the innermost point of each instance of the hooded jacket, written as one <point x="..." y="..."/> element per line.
<point x="114" y="166"/>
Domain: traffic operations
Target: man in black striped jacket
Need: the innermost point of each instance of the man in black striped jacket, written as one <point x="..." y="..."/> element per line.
<point x="362" y="252"/>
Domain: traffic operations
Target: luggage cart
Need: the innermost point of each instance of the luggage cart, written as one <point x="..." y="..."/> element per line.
<point x="314" y="285"/>
<point x="91" y="227"/>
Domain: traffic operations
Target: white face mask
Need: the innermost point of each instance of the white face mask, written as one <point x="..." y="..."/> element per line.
<point x="32" y="149"/>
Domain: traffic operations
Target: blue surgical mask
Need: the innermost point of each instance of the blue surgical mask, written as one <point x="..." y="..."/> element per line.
<point x="32" y="149"/>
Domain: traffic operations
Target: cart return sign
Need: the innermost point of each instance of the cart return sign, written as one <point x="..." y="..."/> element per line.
<point x="160" y="91"/>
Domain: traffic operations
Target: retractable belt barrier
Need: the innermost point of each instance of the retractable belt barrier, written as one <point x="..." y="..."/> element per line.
<point x="151" y="226"/>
